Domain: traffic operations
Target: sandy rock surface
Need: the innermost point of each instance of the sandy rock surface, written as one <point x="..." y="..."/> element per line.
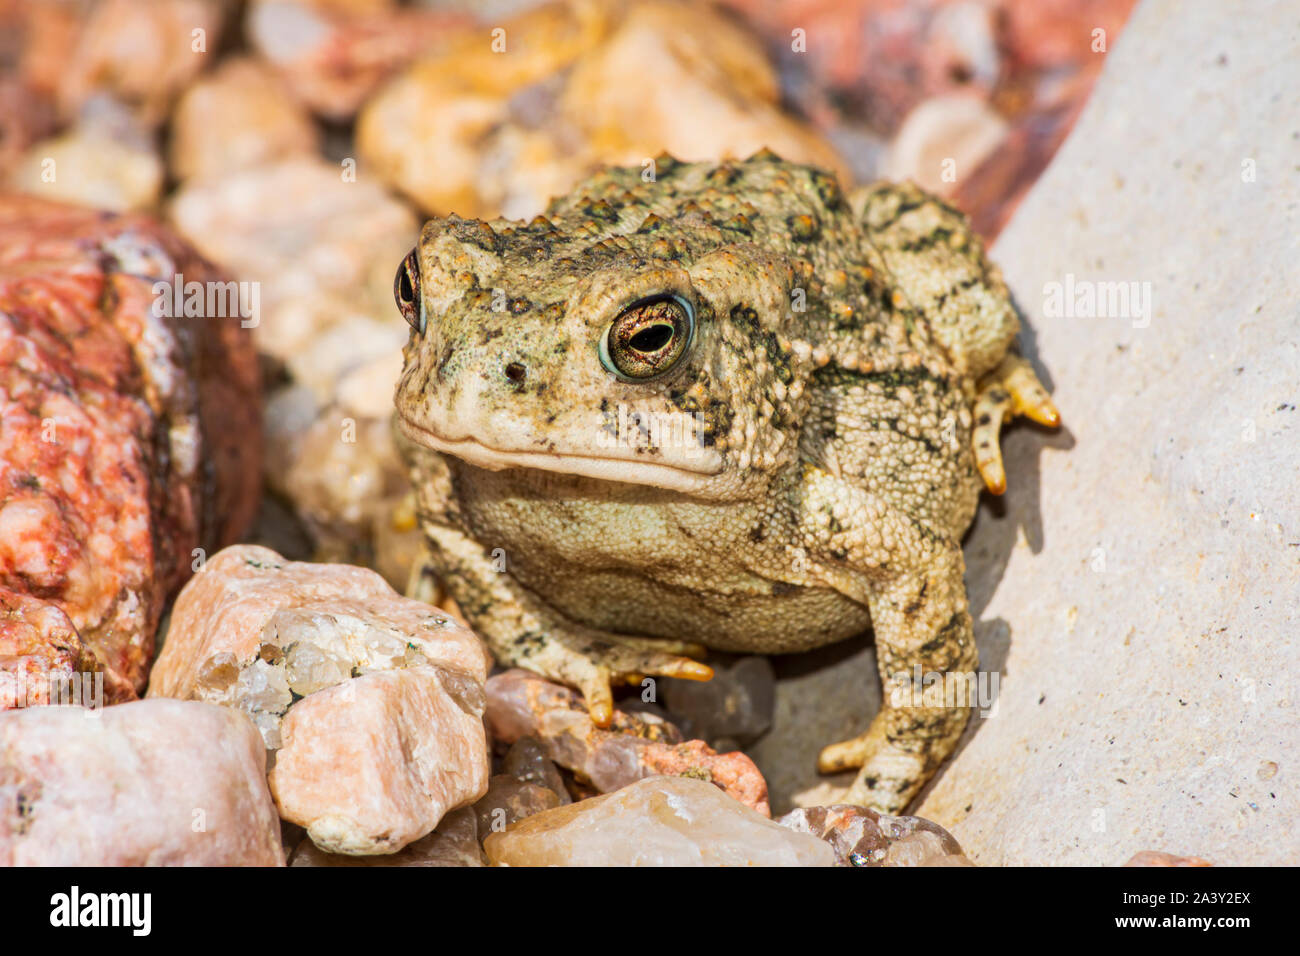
<point x="1137" y="588"/>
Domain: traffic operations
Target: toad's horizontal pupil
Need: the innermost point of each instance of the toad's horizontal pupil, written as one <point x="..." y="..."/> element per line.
<point x="407" y="292"/>
<point x="652" y="339"/>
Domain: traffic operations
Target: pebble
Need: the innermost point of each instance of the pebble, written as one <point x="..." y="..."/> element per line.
<point x="731" y="710"/>
<point x="509" y="800"/>
<point x="636" y="745"/>
<point x="238" y="117"/>
<point x="862" y="837"/>
<point x="658" y="821"/>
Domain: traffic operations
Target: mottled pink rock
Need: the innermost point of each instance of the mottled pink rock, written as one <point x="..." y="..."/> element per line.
<point x="371" y="765"/>
<point x="637" y="745"/>
<point x="863" y="837"/>
<point x="373" y="702"/>
<point x="149" y="783"/>
<point x="659" y="821"/>
<point x="258" y="631"/>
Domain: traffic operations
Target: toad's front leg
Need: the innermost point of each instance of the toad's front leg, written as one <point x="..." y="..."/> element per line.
<point x="911" y="579"/>
<point x="923" y="630"/>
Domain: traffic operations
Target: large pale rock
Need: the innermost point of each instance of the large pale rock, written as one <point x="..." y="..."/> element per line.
<point x="659" y="821"/>
<point x="149" y="783"/>
<point x="372" y="702"/>
<point x="1146" y="559"/>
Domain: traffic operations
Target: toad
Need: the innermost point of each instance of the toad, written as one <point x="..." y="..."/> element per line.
<point x="715" y="405"/>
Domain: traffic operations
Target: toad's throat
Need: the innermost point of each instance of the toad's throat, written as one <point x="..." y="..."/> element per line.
<point x="618" y="464"/>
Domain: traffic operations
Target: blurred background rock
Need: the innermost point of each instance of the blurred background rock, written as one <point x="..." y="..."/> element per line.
<point x="300" y="144"/>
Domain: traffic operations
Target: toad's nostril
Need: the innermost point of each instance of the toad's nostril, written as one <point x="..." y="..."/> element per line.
<point x="516" y="372"/>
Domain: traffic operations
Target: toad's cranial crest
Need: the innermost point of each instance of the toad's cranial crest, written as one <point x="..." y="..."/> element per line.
<point x="732" y="407"/>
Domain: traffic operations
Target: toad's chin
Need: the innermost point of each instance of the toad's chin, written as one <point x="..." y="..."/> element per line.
<point x="692" y="475"/>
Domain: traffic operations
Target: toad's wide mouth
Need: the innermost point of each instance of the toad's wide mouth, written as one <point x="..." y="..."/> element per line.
<point x="620" y="465"/>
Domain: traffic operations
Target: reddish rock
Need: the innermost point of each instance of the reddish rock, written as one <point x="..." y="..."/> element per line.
<point x="129" y="440"/>
<point x="41" y="654"/>
<point x="1159" y="858"/>
<point x="733" y="772"/>
<point x="636" y="746"/>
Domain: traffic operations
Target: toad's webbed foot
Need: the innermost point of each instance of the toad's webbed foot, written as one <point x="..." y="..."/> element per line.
<point x="595" y="665"/>
<point x="1010" y="390"/>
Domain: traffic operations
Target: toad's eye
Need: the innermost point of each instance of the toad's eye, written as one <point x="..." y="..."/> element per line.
<point x="406" y="290"/>
<point x="648" y="338"/>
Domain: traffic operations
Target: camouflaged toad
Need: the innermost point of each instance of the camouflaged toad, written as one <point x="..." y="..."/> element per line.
<point x="715" y="405"/>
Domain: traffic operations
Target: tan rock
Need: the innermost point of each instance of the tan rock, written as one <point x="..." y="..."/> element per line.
<point x="239" y="117"/>
<point x="512" y="127"/>
<point x="659" y="821"/>
<point x="149" y="783"/>
<point x="143" y="52"/>
<point x="708" y="93"/>
<point x="345" y="480"/>
<point x="373" y="764"/>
